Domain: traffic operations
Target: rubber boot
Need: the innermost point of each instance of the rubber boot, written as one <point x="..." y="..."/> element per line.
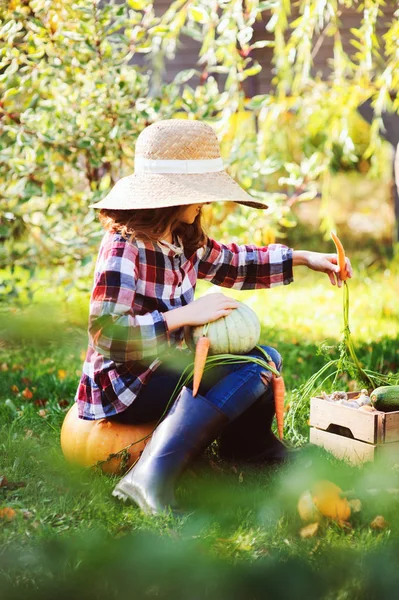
<point x="250" y="438"/>
<point x="189" y="427"/>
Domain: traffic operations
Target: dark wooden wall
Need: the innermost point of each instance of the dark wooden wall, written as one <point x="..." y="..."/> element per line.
<point x="187" y="53"/>
<point x="323" y="51"/>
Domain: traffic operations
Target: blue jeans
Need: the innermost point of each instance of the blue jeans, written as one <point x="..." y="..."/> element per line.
<point x="231" y="388"/>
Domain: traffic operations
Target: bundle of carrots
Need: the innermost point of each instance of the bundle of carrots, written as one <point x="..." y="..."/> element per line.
<point x="347" y="333"/>
<point x="279" y="396"/>
<point x="347" y="362"/>
<point x="278" y="386"/>
<point x="201" y="354"/>
<point x="200" y="359"/>
<point x="340" y="256"/>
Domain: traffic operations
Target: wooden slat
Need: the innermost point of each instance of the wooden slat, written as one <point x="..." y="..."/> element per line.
<point x="392" y="427"/>
<point x="392" y="448"/>
<point x="343" y="448"/>
<point x="364" y="426"/>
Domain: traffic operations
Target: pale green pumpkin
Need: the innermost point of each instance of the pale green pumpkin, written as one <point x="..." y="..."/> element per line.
<point x="238" y="333"/>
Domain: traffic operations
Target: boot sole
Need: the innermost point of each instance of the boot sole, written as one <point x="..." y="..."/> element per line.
<point x="135" y="497"/>
<point x="121" y="495"/>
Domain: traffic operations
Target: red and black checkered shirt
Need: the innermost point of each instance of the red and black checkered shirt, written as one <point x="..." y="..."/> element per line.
<point x="135" y="283"/>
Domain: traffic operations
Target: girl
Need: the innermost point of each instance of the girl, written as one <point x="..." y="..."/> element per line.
<point x="150" y="257"/>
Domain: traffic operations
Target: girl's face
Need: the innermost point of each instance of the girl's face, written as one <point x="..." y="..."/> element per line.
<point x="190" y="212"/>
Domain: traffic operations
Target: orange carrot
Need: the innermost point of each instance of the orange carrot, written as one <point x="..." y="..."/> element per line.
<point x="201" y="352"/>
<point x="279" y="394"/>
<point x="341" y="256"/>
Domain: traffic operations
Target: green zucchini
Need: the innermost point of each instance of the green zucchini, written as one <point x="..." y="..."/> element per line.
<point x="386" y="398"/>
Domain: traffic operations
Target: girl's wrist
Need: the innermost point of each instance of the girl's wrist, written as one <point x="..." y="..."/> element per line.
<point x="177" y="317"/>
<point x="300" y="257"/>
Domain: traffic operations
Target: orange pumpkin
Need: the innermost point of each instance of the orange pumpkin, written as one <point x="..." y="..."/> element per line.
<point x="329" y="502"/>
<point x="86" y="442"/>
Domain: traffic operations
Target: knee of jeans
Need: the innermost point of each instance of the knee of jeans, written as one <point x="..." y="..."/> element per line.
<point x="275" y="356"/>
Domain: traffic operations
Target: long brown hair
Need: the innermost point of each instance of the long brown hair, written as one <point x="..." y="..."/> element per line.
<point x="153" y="223"/>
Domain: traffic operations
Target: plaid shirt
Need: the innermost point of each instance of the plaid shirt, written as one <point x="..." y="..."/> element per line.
<point x="135" y="283"/>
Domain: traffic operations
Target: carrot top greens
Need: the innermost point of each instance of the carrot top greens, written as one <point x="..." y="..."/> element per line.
<point x="346" y="363"/>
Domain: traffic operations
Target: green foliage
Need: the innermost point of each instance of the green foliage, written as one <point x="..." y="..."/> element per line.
<point x="67" y="125"/>
<point x="74" y="99"/>
<point x="96" y="566"/>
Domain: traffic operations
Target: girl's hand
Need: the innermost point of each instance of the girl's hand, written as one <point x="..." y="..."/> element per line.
<point x="209" y="308"/>
<point x="325" y="263"/>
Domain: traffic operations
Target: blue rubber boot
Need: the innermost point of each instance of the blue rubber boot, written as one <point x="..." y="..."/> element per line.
<point x="189" y="427"/>
<point x="250" y="438"/>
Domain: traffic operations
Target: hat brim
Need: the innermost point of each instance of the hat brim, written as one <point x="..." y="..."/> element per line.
<point x="159" y="190"/>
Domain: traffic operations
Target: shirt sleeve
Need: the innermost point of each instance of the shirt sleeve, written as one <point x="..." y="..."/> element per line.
<point x="245" y="267"/>
<point x="115" y="330"/>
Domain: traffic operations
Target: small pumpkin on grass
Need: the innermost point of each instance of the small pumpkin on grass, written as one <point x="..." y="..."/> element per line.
<point x="324" y="499"/>
<point x="87" y="442"/>
<point x="329" y="501"/>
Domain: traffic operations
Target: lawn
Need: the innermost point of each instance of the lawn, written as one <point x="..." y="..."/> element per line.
<point x="241" y="536"/>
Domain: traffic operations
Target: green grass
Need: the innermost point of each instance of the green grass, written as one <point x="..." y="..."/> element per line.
<point x="241" y="536"/>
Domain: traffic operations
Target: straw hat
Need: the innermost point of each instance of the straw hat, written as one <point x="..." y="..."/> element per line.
<point x="177" y="162"/>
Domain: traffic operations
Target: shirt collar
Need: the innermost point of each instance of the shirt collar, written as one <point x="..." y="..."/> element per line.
<point x="175" y="249"/>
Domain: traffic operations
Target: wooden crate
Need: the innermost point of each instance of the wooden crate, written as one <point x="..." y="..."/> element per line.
<point x="352" y="434"/>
